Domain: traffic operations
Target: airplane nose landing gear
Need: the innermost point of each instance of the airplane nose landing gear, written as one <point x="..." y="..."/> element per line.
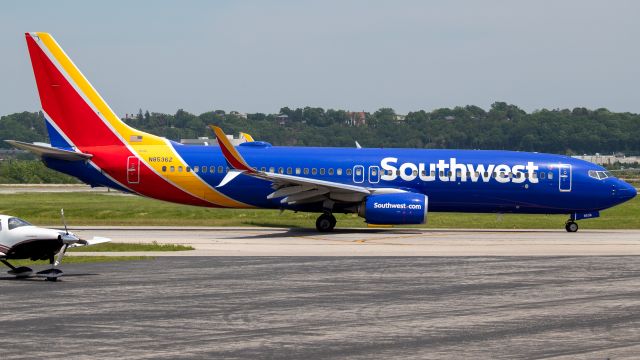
<point x="571" y="226"/>
<point x="326" y="222"/>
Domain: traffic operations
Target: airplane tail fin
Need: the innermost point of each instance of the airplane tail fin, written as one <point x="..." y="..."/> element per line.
<point x="75" y="113"/>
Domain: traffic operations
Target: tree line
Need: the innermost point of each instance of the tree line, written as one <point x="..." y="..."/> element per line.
<point x="502" y="127"/>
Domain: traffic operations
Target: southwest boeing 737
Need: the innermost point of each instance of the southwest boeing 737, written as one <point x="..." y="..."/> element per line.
<point x="384" y="186"/>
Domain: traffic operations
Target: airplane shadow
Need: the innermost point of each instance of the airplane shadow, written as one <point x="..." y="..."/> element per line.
<point x="36" y="278"/>
<point x="306" y="232"/>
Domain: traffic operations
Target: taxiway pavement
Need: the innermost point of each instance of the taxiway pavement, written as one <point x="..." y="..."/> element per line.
<point x="243" y="241"/>
<point x="328" y="307"/>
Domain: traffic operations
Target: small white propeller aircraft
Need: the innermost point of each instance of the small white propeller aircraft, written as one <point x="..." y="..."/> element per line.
<point x="21" y="240"/>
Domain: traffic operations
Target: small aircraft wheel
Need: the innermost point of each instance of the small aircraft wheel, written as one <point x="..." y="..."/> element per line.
<point x="325" y="223"/>
<point x="571" y="226"/>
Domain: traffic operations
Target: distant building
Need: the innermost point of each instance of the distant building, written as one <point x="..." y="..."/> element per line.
<point x="238" y="114"/>
<point x="282" y="119"/>
<point x="399" y="118"/>
<point x="609" y="159"/>
<point x="213" y="142"/>
<point x="356" y="118"/>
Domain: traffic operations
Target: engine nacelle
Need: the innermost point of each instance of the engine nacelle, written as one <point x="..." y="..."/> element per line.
<point x="395" y="209"/>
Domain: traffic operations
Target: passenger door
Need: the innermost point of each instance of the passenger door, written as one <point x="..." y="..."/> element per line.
<point x="564" y="177"/>
<point x="133" y="170"/>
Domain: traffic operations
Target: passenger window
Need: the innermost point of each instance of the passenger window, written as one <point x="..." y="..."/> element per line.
<point x="212" y="169"/>
<point x="424" y="172"/>
<point x="272" y="169"/>
<point x="330" y="171"/>
<point x="314" y="171"/>
<point x="227" y="169"/>
<point x="204" y="169"/>
<point x="543" y="174"/>
<point x="172" y="168"/>
<point x="415" y="173"/>
<point x="534" y="175"/>
<point x="179" y="168"/>
<point x="349" y="172"/>
<point x="281" y="170"/>
<point x="220" y="169"/>
<point x="297" y="171"/>
<point x="397" y="172"/>
<point x="188" y="168"/>
<point x="196" y="169"/>
<point x="359" y="171"/>
<point x="263" y="169"/>
<point x="306" y="171"/>
<point x="289" y="171"/>
<point x="338" y="172"/>
<point x="550" y="175"/>
<point x="164" y="169"/>
<point x="322" y="171"/>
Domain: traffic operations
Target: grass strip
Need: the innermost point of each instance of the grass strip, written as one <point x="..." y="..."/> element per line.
<point x="117" y="247"/>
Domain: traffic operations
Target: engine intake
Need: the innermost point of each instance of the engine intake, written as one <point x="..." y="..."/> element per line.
<point x="395" y="209"/>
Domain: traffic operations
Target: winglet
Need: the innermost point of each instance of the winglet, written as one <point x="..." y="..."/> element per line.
<point x="247" y="137"/>
<point x="230" y="153"/>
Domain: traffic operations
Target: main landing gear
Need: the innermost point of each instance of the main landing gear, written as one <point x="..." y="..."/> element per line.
<point x="326" y="222"/>
<point x="571" y="226"/>
<point x="19" y="272"/>
<point x="51" y="274"/>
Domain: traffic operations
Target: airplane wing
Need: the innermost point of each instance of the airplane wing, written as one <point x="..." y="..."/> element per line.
<point x="294" y="189"/>
<point x="94" y="241"/>
<point x="45" y="150"/>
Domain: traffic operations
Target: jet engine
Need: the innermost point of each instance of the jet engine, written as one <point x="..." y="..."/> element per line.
<point x="394" y="209"/>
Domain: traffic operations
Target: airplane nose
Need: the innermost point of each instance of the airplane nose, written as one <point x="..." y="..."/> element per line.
<point x="626" y="191"/>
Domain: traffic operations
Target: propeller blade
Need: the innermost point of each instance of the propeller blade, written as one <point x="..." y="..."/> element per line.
<point x="64" y="222"/>
<point x="60" y="255"/>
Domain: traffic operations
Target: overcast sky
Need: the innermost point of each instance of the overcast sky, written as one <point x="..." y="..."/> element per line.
<point x="257" y="56"/>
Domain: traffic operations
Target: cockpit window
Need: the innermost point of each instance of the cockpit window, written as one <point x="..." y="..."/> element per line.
<point x="16" y="223"/>
<point x="600" y="175"/>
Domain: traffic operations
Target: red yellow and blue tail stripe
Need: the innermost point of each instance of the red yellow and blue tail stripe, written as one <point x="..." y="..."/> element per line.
<point x="79" y="118"/>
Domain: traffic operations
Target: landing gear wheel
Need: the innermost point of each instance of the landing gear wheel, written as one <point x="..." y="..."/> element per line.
<point x="326" y="223"/>
<point x="571" y="226"/>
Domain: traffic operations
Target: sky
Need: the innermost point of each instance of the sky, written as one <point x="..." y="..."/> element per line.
<point x="259" y="56"/>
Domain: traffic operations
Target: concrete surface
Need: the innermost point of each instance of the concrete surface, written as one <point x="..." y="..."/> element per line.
<point x="225" y="241"/>
<point x="328" y="308"/>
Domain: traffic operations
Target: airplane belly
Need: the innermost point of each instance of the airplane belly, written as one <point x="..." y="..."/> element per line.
<point x="34" y="249"/>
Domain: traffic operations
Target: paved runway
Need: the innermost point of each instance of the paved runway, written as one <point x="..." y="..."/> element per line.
<point x="227" y="241"/>
<point x="328" y="307"/>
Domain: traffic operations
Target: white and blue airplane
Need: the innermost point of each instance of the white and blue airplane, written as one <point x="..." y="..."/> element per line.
<point x="21" y="240"/>
<point x="384" y="186"/>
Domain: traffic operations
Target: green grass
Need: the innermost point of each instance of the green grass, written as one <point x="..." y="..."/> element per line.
<point x="80" y="260"/>
<point x="118" y="247"/>
<point x="112" y="209"/>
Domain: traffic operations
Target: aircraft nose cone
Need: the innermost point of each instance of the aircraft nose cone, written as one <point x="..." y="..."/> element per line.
<point x="626" y="191"/>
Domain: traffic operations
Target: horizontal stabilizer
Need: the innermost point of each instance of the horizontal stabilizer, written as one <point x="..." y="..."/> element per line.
<point x="49" y="151"/>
